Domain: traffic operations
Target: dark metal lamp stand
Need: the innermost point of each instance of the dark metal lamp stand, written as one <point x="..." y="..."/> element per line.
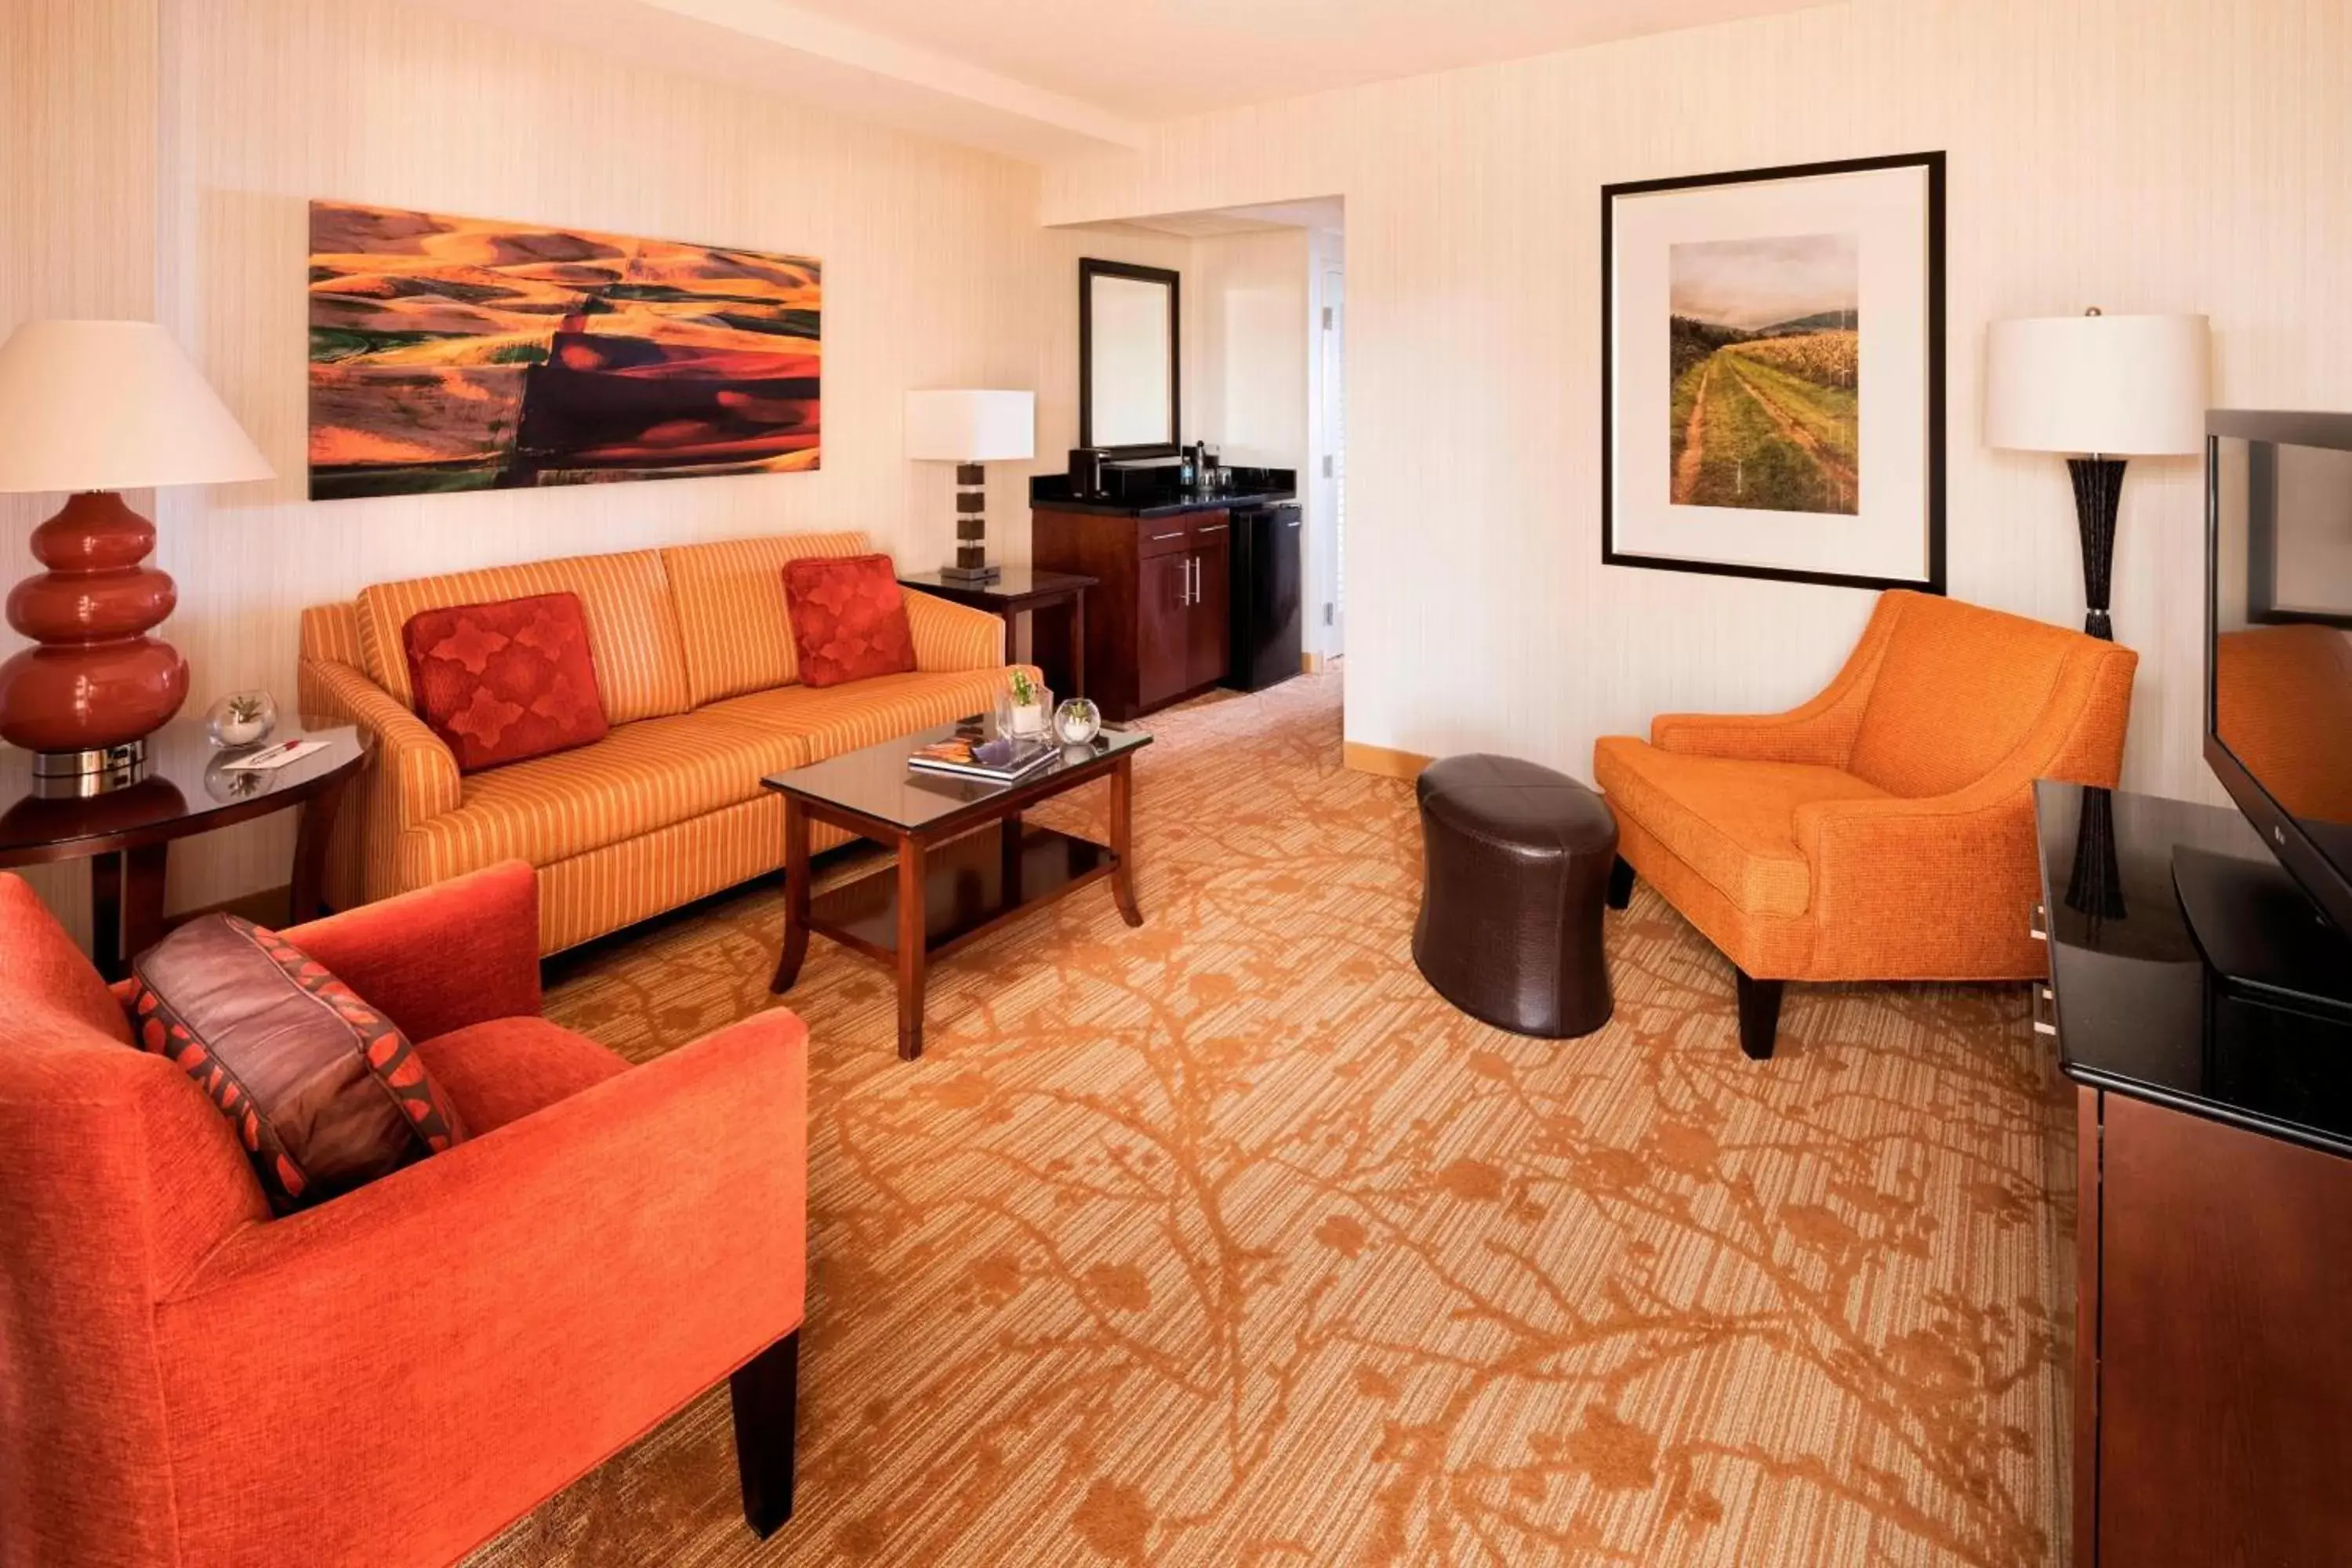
<point x="2098" y="495"/>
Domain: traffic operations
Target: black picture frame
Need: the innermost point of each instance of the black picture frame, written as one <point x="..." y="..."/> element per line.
<point x="1089" y="268"/>
<point x="1933" y="163"/>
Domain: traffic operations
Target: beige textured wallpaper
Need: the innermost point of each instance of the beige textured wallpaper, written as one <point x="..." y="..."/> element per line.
<point x="175" y="146"/>
<point x="77" y="107"/>
<point x="2136" y="154"/>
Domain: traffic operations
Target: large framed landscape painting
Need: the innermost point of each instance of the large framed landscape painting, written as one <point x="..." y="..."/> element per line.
<point x="1773" y="364"/>
<point x="457" y="353"/>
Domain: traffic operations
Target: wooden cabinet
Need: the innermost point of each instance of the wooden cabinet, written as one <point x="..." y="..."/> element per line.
<point x="1159" y="624"/>
<point x="1208" y="625"/>
<point x="2213" y="1371"/>
<point x="1163" y="618"/>
<point x="2213" y="1399"/>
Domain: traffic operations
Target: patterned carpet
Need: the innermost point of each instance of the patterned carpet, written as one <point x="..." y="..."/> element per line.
<point x="1226" y="1242"/>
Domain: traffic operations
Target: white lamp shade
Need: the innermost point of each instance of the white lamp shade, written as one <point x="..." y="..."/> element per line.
<point x="113" y="406"/>
<point x="2118" y="386"/>
<point x="976" y="426"/>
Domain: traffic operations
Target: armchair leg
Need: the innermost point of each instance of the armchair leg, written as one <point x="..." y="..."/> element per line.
<point x="1621" y="884"/>
<point x="1759" y="1015"/>
<point x="766" y="1392"/>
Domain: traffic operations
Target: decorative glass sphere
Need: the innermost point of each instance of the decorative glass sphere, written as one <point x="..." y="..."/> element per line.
<point x="241" y="718"/>
<point x="1077" y="721"/>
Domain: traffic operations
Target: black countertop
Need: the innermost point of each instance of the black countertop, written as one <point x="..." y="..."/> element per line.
<point x="2139" y="1012"/>
<point x="1149" y="490"/>
<point x="1160" y="507"/>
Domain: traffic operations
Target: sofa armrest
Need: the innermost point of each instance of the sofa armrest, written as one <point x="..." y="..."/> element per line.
<point x="1821" y="731"/>
<point x="951" y="636"/>
<point x="480" y="1328"/>
<point x="421" y="769"/>
<point x="1967" y="858"/>
<point x="1933" y="889"/>
<point x="458" y="952"/>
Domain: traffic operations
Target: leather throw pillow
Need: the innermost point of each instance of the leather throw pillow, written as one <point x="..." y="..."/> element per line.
<point x="505" y="681"/>
<point x="849" y="619"/>
<point x="324" y="1092"/>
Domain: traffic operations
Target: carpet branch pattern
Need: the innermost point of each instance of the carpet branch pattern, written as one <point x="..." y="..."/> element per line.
<point x="1226" y="1242"/>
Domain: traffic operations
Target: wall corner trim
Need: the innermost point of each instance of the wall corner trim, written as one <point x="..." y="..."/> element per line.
<point x="1383" y="760"/>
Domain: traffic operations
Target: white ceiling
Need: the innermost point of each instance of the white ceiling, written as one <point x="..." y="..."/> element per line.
<point x="1045" y="79"/>
<point x="1156" y="59"/>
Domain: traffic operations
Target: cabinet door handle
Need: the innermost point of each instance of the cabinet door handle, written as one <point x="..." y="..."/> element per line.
<point x="1211" y="528"/>
<point x="2045" y="1011"/>
<point x="2037" y="924"/>
<point x="1194" y="563"/>
<point x="1158" y="537"/>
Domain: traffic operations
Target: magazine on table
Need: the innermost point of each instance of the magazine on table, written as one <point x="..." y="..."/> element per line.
<point x="1000" y="761"/>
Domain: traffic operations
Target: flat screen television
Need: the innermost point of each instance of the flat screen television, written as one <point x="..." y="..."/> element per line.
<point x="2278" y="665"/>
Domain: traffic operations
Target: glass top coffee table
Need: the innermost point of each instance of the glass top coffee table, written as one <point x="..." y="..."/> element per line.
<point x="967" y="863"/>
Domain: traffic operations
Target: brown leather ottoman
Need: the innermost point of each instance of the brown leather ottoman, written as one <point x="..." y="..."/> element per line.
<point x="1516" y="860"/>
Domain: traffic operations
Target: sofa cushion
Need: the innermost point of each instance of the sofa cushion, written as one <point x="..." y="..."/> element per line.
<point x="829" y="720"/>
<point x="1731" y="821"/>
<point x="849" y="619"/>
<point x="639" y="778"/>
<point x="324" y="1092"/>
<point x="632" y="625"/>
<point x="505" y="682"/>
<point x="503" y="1069"/>
<point x="730" y="609"/>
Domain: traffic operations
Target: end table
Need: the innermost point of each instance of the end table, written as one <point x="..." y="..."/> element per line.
<point x="1028" y="588"/>
<point x="126" y="833"/>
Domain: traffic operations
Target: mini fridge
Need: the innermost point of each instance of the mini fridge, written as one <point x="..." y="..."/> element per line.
<point x="1267" y="608"/>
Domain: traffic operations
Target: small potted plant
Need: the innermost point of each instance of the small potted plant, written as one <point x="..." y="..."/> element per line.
<point x="243" y="719"/>
<point x="1030" y="702"/>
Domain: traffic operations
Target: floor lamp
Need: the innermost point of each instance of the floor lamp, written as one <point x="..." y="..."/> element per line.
<point x="2099" y="388"/>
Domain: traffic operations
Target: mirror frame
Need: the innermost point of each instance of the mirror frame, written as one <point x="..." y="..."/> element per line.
<point x="1089" y="268"/>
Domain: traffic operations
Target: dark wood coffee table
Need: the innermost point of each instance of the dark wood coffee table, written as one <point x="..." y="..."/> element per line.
<point x="967" y="863"/>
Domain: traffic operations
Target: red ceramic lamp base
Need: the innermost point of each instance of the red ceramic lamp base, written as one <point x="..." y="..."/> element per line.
<point x="94" y="680"/>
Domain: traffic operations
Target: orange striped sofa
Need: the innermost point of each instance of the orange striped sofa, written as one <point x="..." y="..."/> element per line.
<point x="696" y="665"/>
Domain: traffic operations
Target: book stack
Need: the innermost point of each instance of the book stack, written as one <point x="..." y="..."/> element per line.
<point x="999" y="761"/>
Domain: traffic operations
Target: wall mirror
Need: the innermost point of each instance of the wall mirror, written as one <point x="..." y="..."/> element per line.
<point x="1127" y="358"/>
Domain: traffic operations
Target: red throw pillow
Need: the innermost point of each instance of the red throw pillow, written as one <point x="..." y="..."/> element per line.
<point x="325" y="1093"/>
<point x="849" y="620"/>
<point x="506" y="681"/>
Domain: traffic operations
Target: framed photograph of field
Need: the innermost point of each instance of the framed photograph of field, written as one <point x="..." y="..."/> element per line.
<point x="1772" y="356"/>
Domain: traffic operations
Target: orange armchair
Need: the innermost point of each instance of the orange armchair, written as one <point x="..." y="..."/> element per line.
<point x="1884" y="831"/>
<point x="391" y="1377"/>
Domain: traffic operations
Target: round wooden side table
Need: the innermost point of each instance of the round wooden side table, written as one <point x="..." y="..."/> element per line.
<point x="127" y="832"/>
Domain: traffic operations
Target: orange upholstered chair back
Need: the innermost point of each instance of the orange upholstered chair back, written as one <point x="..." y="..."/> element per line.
<point x="1956" y="688"/>
<point x="116" y="1178"/>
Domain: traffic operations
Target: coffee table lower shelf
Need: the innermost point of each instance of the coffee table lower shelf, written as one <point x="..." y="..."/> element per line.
<point x="971" y="886"/>
<point x="966" y="862"/>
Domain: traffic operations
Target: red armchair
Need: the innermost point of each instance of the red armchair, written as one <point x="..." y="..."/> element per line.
<point x="393" y="1376"/>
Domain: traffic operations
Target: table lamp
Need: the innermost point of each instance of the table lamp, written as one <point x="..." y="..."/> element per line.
<point x="971" y="429"/>
<point x="96" y="407"/>
<point x="2102" y="388"/>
